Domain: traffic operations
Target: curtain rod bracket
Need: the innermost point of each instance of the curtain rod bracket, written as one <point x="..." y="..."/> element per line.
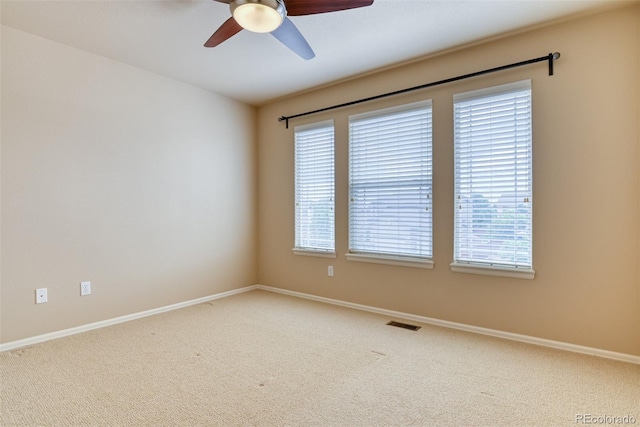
<point x="550" y="58"/>
<point x="285" y="120"/>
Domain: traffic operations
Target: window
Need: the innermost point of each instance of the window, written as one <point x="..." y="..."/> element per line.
<point x="390" y="169"/>
<point x="314" y="189"/>
<point x="493" y="181"/>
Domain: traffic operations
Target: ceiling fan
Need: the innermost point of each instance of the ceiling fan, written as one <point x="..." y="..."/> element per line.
<point x="270" y="16"/>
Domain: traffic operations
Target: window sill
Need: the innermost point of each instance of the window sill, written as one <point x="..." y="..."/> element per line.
<point x="391" y="260"/>
<point x="314" y="252"/>
<point x="488" y="270"/>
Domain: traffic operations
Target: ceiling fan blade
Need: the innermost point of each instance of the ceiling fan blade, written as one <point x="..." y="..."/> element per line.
<point x="307" y="7"/>
<point x="291" y="37"/>
<point x="226" y="30"/>
<point x="224" y="1"/>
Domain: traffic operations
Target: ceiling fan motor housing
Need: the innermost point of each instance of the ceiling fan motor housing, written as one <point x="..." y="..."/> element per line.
<point x="259" y="16"/>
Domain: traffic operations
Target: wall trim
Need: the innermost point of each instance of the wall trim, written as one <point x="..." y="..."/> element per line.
<point x="558" y="345"/>
<point x="11" y="345"/>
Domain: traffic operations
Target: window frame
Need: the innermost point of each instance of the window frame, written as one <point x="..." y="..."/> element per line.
<point x="495" y="267"/>
<point x="300" y="248"/>
<point x="407" y="260"/>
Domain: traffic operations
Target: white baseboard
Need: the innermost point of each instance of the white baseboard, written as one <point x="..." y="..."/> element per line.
<point x="468" y="328"/>
<point x="396" y="314"/>
<point x="109" y="322"/>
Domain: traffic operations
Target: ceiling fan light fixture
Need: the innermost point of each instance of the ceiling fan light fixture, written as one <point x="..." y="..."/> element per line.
<point x="259" y="16"/>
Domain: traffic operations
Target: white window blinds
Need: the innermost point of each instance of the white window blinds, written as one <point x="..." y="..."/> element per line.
<point x="493" y="180"/>
<point x="390" y="172"/>
<point x="314" y="187"/>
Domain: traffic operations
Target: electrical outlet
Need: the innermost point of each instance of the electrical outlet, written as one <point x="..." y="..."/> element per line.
<point x="41" y="295"/>
<point x="85" y="288"/>
<point x="330" y="271"/>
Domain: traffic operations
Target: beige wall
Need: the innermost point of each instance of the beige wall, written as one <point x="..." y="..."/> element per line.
<point x="586" y="190"/>
<point x="138" y="183"/>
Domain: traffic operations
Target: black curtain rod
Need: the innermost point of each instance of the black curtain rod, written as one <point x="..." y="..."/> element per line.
<point x="550" y="57"/>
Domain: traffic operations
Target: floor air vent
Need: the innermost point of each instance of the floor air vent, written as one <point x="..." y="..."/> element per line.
<point x="404" y="325"/>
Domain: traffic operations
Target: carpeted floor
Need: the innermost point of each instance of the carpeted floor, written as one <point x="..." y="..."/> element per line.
<point x="265" y="359"/>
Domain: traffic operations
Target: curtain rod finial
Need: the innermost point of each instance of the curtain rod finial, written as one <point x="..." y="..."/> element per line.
<point x="556" y="55"/>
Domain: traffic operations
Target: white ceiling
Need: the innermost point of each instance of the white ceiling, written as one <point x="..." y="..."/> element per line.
<point x="167" y="37"/>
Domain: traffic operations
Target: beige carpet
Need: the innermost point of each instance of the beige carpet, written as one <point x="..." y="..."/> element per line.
<point x="266" y="359"/>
